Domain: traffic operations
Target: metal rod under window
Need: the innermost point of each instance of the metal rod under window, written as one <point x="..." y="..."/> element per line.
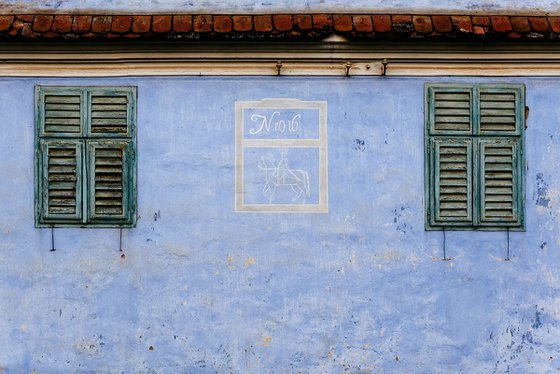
<point x="120" y="240"/>
<point x="444" y="254"/>
<point x="52" y="239"/>
<point x="507" y="254"/>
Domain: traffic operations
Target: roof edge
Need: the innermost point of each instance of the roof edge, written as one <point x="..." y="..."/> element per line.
<point x="433" y="27"/>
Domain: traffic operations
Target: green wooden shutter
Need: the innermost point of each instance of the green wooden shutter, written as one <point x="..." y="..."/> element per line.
<point x="501" y="110"/>
<point x="111" y="162"/>
<point x="111" y="181"/>
<point x="500" y="202"/>
<point x="61" y="112"/>
<point x="86" y="174"/>
<point x="452" y="181"/>
<point x="474" y="136"/>
<point x="60" y="181"/>
<point x="111" y="112"/>
<point x="450" y="110"/>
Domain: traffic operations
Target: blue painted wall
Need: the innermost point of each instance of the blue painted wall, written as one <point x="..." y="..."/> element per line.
<point x="202" y="289"/>
<point x="283" y="6"/>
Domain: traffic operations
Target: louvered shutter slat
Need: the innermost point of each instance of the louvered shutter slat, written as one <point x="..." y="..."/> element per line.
<point x="110" y="170"/>
<point x="452" y="181"/>
<point x="61" y="112"/>
<point x="500" y="182"/>
<point x="498" y="110"/>
<point x="451" y="110"/>
<point x="110" y="113"/>
<point x="62" y="185"/>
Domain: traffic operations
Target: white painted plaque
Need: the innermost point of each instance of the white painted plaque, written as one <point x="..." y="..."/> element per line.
<point x="281" y="156"/>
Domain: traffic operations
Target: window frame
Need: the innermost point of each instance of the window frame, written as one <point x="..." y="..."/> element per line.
<point x="476" y="138"/>
<point x="85" y="216"/>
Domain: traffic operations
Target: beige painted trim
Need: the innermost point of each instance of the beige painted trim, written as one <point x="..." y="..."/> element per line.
<point x="319" y="59"/>
<point x="327" y="52"/>
<point x="372" y="68"/>
<point x="197" y="68"/>
<point x="510" y="69"/>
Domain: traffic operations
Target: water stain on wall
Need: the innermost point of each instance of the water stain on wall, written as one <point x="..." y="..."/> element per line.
<point x="542" y="191"/>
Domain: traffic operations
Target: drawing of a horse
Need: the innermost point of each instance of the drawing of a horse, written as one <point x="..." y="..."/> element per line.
<point x="279" y="177"/>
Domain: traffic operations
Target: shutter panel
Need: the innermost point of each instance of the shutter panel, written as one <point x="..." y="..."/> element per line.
<point x="61" y="181"/>
<point x="111" y="112"/>
<point x="61" y="112"/>
<point x="474" y="157"/>
<point x="500" y="182"/>
<point x="111" y="181"/>
<point x="90" y="180"/>
<point x="501" y="111"/>
<point x="451" y="110"/>
<point x="452" y="181"/>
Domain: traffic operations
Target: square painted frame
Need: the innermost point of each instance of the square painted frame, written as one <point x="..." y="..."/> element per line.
<point x="321" y="143"/>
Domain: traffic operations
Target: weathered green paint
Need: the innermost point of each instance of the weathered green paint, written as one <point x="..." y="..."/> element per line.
<point x="126" y="202"/>
<point x="59" y="106"/>
<point x="513" y="148"/>
<point x="454" y="148"/>
<point x="72" y="145"/>
<point x="496" y="122"/>
<point x="453" y="97"/>
<point x="65" y="97"/>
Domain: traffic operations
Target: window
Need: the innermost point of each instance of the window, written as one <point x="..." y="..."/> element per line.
<point x="474" y="157"/>
<point x="85" y="156"/>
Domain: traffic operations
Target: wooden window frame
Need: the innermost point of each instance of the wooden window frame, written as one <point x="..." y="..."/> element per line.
<point x="86" y="141"/>
<point x="474" y="139"/>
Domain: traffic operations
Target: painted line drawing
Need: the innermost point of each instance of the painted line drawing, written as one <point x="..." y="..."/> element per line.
<point x="281" y="156"/>
<point x="280" y="176"/>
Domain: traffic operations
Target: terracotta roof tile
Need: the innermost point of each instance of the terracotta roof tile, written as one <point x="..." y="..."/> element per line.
<point x="442" y="23"/>
<point x="141" y="24"/>
<point x="182" y="23"/>
<point x="362" y="23"/>
<point x="342" y="22"/>
<point x="279" y="26"/>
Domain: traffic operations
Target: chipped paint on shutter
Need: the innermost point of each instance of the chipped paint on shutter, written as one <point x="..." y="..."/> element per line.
<point x="501" y="110"/>
<point x="61" y="179"/>
<point x="112" y="176"/>
<point x="61" y="112"/>
<point x="93" y="178"/>
<point x="500" y="184"/>
<point x="109" y="114"/>
<point x="452" y="182"/>
<point x="110" y="187"/>
<point x="450" y="110"/>
<point x="111" y="111"/>
<point x="497" y="112"/>
<point x="494" y="143"/>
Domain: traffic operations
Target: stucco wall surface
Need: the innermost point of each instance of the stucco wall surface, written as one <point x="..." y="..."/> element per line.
<point x="286" y="6"/>
<point x="202" y="289"/>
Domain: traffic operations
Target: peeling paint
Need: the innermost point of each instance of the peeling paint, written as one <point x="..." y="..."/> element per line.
<point x="542" y="191"/>
<point x="266" y="341"/>
<point x="250" y="262"/>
